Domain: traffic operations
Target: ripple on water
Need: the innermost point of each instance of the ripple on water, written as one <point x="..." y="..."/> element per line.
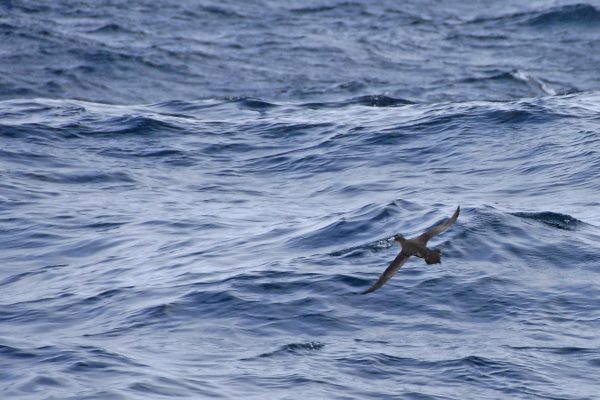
<point x="192" y="210"/>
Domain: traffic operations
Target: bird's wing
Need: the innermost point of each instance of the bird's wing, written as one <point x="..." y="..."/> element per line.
<point x="389" y="272"/>
<point x="436" y="230"/>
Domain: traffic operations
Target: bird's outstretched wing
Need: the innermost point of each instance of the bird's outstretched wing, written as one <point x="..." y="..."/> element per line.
<point x="389" y="272"/>
<point x="436" y="230"/>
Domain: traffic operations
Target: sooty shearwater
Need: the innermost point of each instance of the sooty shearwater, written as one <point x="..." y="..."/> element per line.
<point x="414" y="247"/>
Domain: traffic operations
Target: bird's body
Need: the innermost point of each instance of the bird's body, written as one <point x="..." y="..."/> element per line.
<point x="414" y="247"/>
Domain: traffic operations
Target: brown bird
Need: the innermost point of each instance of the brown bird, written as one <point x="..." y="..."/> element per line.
<point x="414" y="247"/>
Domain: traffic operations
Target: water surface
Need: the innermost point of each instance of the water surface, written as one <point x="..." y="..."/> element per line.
<point x="193" y="195"/>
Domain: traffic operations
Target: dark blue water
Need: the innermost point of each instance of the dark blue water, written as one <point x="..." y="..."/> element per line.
<point x="193" y="193"/>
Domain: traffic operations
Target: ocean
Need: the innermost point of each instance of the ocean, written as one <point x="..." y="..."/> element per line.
<point x="194" y="194"/>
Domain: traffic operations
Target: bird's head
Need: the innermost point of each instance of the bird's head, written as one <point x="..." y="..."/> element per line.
<point x="399" y="239"/>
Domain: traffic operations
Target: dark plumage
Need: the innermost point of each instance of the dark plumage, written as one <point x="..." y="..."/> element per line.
<point x="414" y="247"/>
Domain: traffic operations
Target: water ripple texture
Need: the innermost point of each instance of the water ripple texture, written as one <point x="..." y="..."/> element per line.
<point x="194" y="195"/>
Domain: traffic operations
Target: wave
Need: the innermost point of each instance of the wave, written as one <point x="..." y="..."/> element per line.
<point x="167" y="116"/>
<point x="354" y="225"/>
<point x="345" y="6"/>
<point x="368" y="101"/>
<point x="192" y="209"/>
<point x="574" y="15"/>
<point x="555" y="220"/>
<point x="75" y="120"/>
<point x="77" y="178"/>
<point x="517" y="76"/>
<point x="112" y="28"/>
<point x="249" y="103"/>
<point x="295" y="349"/>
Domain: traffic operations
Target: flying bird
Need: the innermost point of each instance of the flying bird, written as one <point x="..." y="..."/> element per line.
<point x="414" y="247"/>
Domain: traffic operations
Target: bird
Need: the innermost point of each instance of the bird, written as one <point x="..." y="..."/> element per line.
<point x="416" y="246"/>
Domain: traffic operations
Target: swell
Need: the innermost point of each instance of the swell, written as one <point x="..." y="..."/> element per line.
<point x="78" y="178"/>
<point x="368" y="101"/>
<point x="576" y="15"/>
<point x="579" y="15"/>
<point x="521" y="78"/>
<point x="296" y="349"/>
<point x="555" y="220"/>
<point x="204" y="225"/>
<point x="68" y="120"/>
<point x="355" y="225"/>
